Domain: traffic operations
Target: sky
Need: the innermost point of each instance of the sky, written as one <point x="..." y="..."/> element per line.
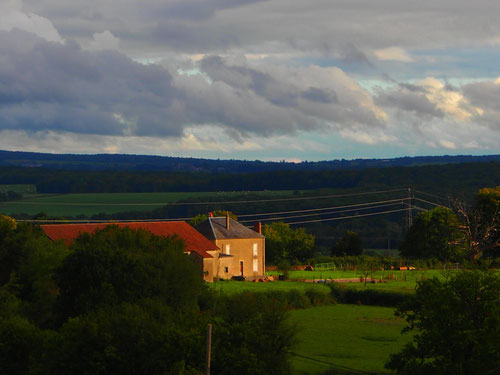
<point x="287" y="80"/>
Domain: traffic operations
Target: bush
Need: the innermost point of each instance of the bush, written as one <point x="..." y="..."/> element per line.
<point x="318" y="297"/>
<point x="297" y="300"/>
<point x="343" y="294"/>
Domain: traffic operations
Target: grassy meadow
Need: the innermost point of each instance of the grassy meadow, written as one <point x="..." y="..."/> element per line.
<point x="350" y="337"/>
<point x="109" y="203"/>
<point x="339" y="336"/>
<point x="405" y="283"/>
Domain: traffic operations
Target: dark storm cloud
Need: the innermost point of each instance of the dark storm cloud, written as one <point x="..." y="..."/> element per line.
<point x="317" y="95"/>
<point x="51" y="86"/>
<point x="324" y="26"/>
<point x="265" y="85"/>
<point x="47" y="86"/>
<point x="196" y="9"/>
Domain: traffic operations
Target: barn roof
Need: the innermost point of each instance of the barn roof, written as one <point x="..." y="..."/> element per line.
<point x="214" y="228"/>
<point x="195" y="241"/>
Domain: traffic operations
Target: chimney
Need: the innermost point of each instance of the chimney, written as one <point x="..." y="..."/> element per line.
<point x="258" y="227"/>
<point x="227" y="220"/>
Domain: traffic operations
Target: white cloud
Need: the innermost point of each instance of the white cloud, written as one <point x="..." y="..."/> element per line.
<point x="447" y="144"/>
<point x="451" y="102"/>
<point x="13" y="17"/>
<point x="393" y="54"/>
<point x="104" y="41"/>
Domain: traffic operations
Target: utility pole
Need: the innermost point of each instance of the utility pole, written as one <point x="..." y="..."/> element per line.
<point x="209" y="348"/>
<point x="409" y="217"/>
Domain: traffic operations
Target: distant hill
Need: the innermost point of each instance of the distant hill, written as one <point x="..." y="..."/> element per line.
<point x="122" y="162"/>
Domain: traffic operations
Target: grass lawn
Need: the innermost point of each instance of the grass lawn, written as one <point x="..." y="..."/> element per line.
<point x="90" y="204"/>
<point x="232" y="287"/>
<point x="401" y="281"/>
<point x="397" y="286"/>
<point x="349" y="336"/>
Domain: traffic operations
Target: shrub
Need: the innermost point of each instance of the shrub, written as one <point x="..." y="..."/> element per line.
<point x="342" y="294"/>
<point x="317" y="297"/>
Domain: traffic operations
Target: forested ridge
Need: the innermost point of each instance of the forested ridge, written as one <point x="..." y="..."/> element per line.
<point x="447" y="178"/>
<point x="125" y="162"/>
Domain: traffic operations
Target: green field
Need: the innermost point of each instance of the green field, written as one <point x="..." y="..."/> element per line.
<point x="109" y="203"/>
<point x="18" y="188"/>
<point x="339" y="274"/>
<point x="397" y="286"/>
<point x="350" y="336"/>
<point x="232" y="287"/>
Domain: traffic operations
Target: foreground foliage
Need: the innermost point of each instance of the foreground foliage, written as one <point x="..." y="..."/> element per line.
<point x="125" y="302"/>
<point x="457" y="325"/>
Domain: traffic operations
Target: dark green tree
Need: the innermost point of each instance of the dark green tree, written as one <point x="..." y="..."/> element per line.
<point x="28" y="260"/>
<point x="117" y="265"/>
<point x="253" y="337"/>
<point x="434" y="234"/>
<point x="349" y="244"/>
<point x="148" y="337"/>
<point x="457" y="326"/>
<point x="286" y="244"/>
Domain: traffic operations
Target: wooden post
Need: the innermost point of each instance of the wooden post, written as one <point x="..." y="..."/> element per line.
<point x="209" y="348"/>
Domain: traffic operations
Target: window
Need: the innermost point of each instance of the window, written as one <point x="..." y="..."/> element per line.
<point x="226" y="269"/>
<point x="228" y="249"/>
<point x="255" y="265"/>
<point x="255" y="251"/>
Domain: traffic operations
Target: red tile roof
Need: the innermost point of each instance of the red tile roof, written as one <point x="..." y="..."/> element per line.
<point x="195" y="241"/>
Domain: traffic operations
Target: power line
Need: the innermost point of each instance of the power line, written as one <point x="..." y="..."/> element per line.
<point x="110" y="221"/>
<point x="431" y="195"/>
<point x="359" y="206"/>
<point x="419" y="208"/>
<point x="428" y="202"/>
<point x="355" y="207"/>
<point x="325" y="208"/>
<point x="347" y="217"/>
<point x="323" y="213"/>
<point x="205" y="203"/>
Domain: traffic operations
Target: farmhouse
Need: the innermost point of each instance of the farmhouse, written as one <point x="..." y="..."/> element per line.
<point x="199" y="248"/>
<point x="242" y="250"/>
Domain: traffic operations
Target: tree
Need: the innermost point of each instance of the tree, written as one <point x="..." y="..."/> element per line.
<point x="480" y="223"/>
<point x="285" y="244"/>
<point x="349" y="244"/>
<point x="139" y="338"/>
<point x="252" y="336"/>
<point x="27" y="263"/>
<point x="117" y="265"/>
<point x="434" y="234"/>
<point x="457" y="324"/>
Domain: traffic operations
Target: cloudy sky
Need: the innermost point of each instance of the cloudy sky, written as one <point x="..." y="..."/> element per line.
<point x="251" y="79"/>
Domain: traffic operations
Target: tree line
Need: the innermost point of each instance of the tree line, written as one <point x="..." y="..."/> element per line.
<point x="445" y="178"/>
<point x="179" y="164"/>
